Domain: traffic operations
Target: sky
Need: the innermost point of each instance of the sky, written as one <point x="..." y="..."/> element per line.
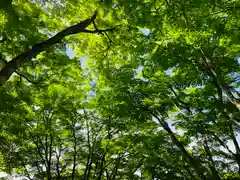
<point x="69" y="52"/>
<point x="145" y="31"/>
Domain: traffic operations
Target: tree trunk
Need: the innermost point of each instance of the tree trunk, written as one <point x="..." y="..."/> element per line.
<point x="210" y="158"/>
<point x="192" y="161"/>
<point x="75" y="150"/>
<point x="101" y="167"/>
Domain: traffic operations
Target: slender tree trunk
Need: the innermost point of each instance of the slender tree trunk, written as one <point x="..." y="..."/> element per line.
<point x="38" y="168"/>
<point x="57" y="169"/>
<point x="50" y="156"/>
<point x="26" y="171"/>
<point x="210" y="158"/>
<point x="86" y="172"/>
<point x="222" y="143"/>
<point x="90" y="152"/>
<point x="116" y="168"/>
<point x="101" y="167"/>
<point x="46" y="157"/>
<point x="192" y="161"/>
<point x="236" y="145"/>
<point x="58" y="155"/>
<point x="109" y="136"/>
<point x="75" y="150"/>
<point x="213" y="71"/>
<point x="233" y="137"/>
<point x="189" y="172"/>
<point x="89" y="169"/>
<point x="37" y="142"/>
<point x="107" y="175"/>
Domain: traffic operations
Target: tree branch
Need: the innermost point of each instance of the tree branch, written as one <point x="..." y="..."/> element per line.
<point x="26" y="171"/>
<point x="25" y="77"/>
<point x="99" y="31"/>
<point x="19" y="60"/>
<point x="19" y="73"/>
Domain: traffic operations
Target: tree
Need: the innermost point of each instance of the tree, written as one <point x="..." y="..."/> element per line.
<point x="120" y="89"/>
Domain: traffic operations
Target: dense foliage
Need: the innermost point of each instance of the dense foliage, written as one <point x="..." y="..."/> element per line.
<point x="120" y="89"/>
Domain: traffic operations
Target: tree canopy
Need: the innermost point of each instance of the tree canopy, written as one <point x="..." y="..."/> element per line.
<point x="120" y="89"/>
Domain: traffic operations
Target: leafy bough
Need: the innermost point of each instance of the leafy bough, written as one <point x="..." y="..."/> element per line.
<point x="18" y="61"/>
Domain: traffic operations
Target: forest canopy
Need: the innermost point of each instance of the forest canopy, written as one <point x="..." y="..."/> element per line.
<point x="120" y="89"/>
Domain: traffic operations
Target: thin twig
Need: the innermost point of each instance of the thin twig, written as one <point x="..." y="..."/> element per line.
<point x="110" y="40"/>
